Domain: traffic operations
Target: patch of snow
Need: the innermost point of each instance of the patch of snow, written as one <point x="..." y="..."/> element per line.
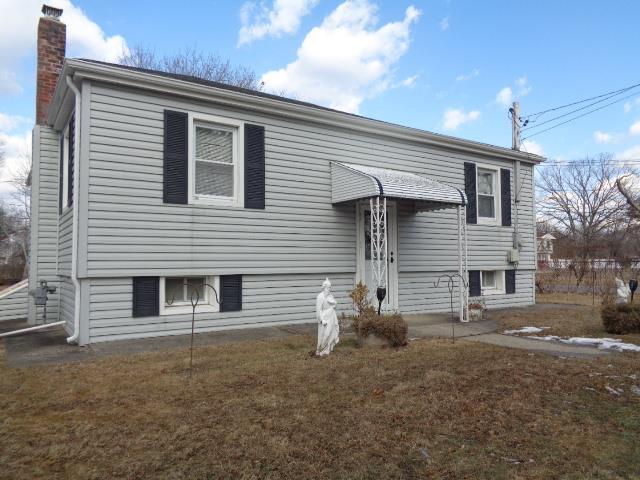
<point x="601" y="343"/>
<point x="613" y="391"/>
<point x="635" y="390"/>
<point x="525" y="330"/>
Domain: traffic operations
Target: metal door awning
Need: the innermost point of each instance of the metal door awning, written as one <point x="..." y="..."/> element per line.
<point x="354" y="182"/>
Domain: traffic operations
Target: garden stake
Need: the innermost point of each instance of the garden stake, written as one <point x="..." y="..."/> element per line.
<point x="451" y="286"/>
<point x="194" y="304"/>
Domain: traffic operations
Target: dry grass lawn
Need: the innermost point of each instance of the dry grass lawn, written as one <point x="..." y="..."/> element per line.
<point x="269" y="410"/>
<point x="571" y="315"/>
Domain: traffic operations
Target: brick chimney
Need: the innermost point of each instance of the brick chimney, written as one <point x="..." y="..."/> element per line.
<point x="52" y="42"/>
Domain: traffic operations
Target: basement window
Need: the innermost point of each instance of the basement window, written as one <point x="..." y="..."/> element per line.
<point x="177" y="294"/>
<point x="492" y="282"/>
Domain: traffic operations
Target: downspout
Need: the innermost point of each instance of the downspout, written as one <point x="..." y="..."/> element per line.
<point x="74" y="240"/>
<point x="516" y="198"/>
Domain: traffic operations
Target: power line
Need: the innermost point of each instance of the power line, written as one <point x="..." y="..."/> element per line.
<point x="537" y="125"/>
<point x="622" y="90"/>
<point x="582" y="115"/>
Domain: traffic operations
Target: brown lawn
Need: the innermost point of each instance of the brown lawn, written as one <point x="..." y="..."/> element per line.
<point x="269" y="410"/>
<point x="569" y="314"/>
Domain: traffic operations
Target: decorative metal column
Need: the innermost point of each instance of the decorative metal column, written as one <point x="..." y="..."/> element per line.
<point x="462" y="265"/>
<point x="379" y="247"/>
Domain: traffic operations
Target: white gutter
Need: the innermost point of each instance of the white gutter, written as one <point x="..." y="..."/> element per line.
<point x="74" y="239"/>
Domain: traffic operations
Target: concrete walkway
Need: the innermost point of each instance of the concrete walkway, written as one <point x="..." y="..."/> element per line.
<point x="50" y="347"/>
<point x="440" y="326"/>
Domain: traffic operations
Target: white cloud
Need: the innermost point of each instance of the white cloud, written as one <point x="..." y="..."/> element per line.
<point x="282" y="17"/>
<point x="632" y="153"/>
<point x="505" y="97"/>
<point x="409" y="81"/>
<point x="9" y="84"/>
<point x="602" y="137"/>
<point x="453" y="118"/>
<point x="628" y="106"/>
<point x="18" y="29"/>
<point x="444" y="24"/>
<point x="523" y="86"/>
<point x="532" y="147"/>
<point x="9" y="123"/>
<point x="345" y="59"/>
<point x="635" y="129"/>
<point x="462" y="78"/>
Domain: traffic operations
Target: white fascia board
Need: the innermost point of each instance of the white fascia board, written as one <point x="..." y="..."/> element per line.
<point x="148" y="81"/>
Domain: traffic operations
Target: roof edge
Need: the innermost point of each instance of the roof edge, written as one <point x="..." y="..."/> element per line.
<point x="269" y="104"/>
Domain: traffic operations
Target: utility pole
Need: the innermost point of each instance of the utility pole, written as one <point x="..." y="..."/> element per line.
<point x="515" y="125"/>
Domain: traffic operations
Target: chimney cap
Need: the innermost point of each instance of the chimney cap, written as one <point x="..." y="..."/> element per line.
<point x="52" y="12"/>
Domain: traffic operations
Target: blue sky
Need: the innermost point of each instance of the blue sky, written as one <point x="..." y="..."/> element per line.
<point x="445" y="66"/>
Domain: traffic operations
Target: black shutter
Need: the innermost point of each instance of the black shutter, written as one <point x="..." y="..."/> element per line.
<point x="510" y="281"/>
<point x="61" y="173"/>
<point x="146" y="296"/>
<point x="474" y="283"/>
<point x="254" y="170"/>
<point x="505" y="194"/>
<point x="71" y="154"/>
<point x="175" y="170"/>
<point x="470" y="191"/>
<point x="230" y="293"/>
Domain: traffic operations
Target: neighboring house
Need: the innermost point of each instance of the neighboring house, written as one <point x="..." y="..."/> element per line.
<point x="544" y="247"/>
<point x="148" y="185"/>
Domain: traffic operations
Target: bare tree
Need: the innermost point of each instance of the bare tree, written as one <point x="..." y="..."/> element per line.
<point x="15" y="221"/>
<point x="625" y="189"/>
<point x="195" y="63"/>
<point x="582" y="199"/>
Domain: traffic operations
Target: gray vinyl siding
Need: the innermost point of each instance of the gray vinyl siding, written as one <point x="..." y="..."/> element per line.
<point x="65" y="242"/>
<point x="418" y="293"/>
<point x="44" y="218"/>
<point x="67" y="302"/>
<point x="267" y="300"/>
<point x="131" y="232"/>
<point x="14" y="302"/>
<point x="284" y="251"/>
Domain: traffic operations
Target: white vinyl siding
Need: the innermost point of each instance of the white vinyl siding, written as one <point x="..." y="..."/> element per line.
<point x="14" y="302"/>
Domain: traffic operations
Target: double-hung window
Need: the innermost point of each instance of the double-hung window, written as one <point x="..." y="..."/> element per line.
<point x="215" y="166"/>
<point x="488" y="195"/>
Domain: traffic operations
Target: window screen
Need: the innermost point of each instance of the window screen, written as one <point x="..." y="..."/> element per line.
<point x="214" y="166"/>
<point x="486" y="194"/>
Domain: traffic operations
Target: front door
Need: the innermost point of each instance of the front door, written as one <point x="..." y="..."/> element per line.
<point x="363" y="253"/>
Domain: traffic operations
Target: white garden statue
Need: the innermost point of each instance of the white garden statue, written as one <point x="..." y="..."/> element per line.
<point x="622" y="291"/>
<point x="328" y="327"/>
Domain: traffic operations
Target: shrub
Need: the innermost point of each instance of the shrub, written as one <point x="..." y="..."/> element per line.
<point x="391" y="327"/>
<point x="621" y="318"/>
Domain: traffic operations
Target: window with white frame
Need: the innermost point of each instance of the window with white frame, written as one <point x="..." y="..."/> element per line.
<point x="488" y="193"/>
<point x="178" y="293"/>
<point x="492" y="282"/>
<point x="216" y="170"/>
